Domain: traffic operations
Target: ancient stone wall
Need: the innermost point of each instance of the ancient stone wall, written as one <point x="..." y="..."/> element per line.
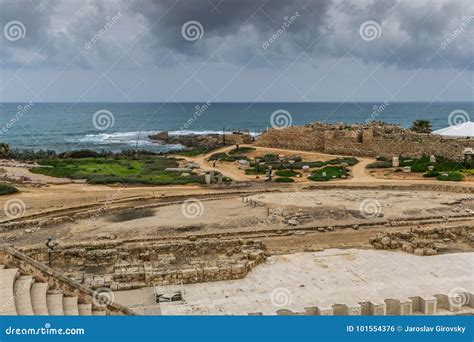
<point x="376" y="139"/>
<point x="133" y="265"/>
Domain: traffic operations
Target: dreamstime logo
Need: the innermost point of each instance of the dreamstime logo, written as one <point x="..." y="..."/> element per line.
<point x="370" y="208"/>
<point x="370" y="30"/>
<point x="286" y="25"/>
<point x="103" y="119"/>
<point x="14" y="30"/>
<point x="281" y="119"/>
<point x="14" y="208"/>
<point x="21" y="110"/>
<point x="281" y="297"/>
<point x="192" y="30"/>
<point x="102" y="297"/>
<point x="458" y="117"/>
<point x="458" y="297"/>
<point x="199" y="110"/>
<point x="192" y="208"/>
<point x="460" y="29"/>
<point x="98" y="36"/>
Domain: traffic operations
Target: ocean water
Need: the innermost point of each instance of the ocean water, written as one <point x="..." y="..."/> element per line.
<point x="117" y="126"/>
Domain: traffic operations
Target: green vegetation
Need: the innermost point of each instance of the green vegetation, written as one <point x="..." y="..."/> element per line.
<point x="328" y="173"/>
<point x="286" y="173"/>
<point x="222" y="156"/>
<point x="431" y="174"/>
<point x="284" y="180"/>
<point x="451" y="176"/>
<point x="348" y="160"/>
<point x="380" y="165"/>
<point x="6" y="189"/>
<point x="421" y="126"/>
<point x="242" y="150"/>
<point x="195" y="151"/>
<point x="299" y="165"/>
<point x="106" y="170"/>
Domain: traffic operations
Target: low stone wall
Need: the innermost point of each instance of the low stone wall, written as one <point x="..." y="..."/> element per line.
<point x="422" y="241"/>
<point x="122" y="266"/>
<point x="377" y="139"/>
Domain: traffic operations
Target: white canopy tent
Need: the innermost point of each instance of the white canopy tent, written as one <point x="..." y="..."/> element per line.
<point x="461" y="130"/>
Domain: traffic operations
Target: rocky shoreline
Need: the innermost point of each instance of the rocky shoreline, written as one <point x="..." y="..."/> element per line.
<point x="202" y="140"/>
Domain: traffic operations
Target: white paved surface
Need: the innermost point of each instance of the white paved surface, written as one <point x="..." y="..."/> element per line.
<point x="323" y="278"/>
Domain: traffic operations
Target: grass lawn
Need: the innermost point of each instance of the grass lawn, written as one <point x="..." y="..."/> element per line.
<point x="103" y="170"/>
<point x="330" y="173"/>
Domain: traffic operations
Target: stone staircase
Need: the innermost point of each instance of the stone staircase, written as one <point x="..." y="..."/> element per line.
<point x="31" y="288"/>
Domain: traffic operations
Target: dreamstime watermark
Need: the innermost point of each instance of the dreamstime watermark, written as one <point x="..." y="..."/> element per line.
<point x="21" y="110"/>
<point x="281" y="119"/>
<point x="199" y="110"/>
<point x="14" y="208"/>
<point x="458" y="297"/>
<point x="46" y="330"/>
<point x="458" y="118"/>
<point x="286" y="24"/>
<point x="14" y="30"/>
<point x="279" y="211"/>
<point x="370" y="30"/>
<point x="281" y="297"/>
<point x="102" y="297"/>
<point x="449" y="39"/>
<point x="376" y="111"/>
<point x="102" y="210"/>
<point x="192" y="208"/>
<point x="107" y="26"/>
<point x="192" y="30"/>
<point x="460" y="206"/>
<point x="370" y="208"/>
<point x="103" y="119"/>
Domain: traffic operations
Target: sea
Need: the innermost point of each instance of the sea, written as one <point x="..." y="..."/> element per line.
<point x="119" y="126"/>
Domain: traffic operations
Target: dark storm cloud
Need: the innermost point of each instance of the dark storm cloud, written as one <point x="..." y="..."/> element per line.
<point x="413" y="34"/>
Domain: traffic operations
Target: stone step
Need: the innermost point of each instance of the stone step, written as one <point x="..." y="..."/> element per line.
<point x="54" y="301"/>
<point x="22" y="291"/>
<point x="85" y="309"/>
<point x="70" y="306"/>
<point x="38" y="299"/>
<point x="7" y="298"/>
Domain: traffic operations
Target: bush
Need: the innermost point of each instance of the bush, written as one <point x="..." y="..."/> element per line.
<point x="241" y="150"/>
<point x="431" y="174"/>
<point x="6" y="189"/>
<point x="380" y="165"/>
<point x="286" y="173"/>
<point x="451" y="176"/>
<point x="331" y="172"/>
<point x="218" y="156"/>
<point x="284" y="180"/>
<point x="299" y="165"/>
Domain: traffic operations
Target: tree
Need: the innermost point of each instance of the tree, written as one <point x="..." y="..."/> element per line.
<point x="421" y="126"/>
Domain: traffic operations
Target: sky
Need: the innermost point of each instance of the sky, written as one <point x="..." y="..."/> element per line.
<point x="236" y="50"/>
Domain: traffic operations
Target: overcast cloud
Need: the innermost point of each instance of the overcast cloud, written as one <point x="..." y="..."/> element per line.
<point x="115" y="50"/>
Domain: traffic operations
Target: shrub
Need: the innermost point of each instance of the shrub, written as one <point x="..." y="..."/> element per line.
<point x="299" y="165"/>
<point x="286" y="173"/>
<point x="330" y="171"/>
<point x="218" y="156"/>
<point x="451" y="176"/>
<point x="284" y="180"/>
<point x="241" y="150"/>
<point x="431" y="174"/>
<point x="380" y="165"/>
<point x="6" y="189"/>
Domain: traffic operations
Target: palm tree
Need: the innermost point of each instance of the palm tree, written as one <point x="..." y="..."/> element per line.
<point x="421" y="126"/>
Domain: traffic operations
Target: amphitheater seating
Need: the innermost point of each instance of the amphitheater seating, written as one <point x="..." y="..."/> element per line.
<point x="22" y="295"/>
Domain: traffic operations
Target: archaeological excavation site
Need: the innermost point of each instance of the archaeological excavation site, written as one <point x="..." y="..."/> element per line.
<point x="270" y="230"/>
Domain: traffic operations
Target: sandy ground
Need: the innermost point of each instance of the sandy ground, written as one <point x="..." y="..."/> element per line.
<point x="301" y="280"/>
<point x="230" y="215"/>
